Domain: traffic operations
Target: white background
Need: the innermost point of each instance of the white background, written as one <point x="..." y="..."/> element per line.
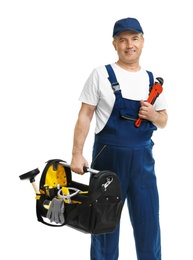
<point x="47" y="50"/>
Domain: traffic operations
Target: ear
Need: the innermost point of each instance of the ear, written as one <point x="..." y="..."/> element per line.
<point x="114" y="44"/>
<point x="143" y="42"/>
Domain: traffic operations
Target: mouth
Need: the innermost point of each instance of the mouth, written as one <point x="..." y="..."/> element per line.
<point x="129" y="51"/>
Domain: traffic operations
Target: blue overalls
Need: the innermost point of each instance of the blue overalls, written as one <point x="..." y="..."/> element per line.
<point x="127" y="150"/>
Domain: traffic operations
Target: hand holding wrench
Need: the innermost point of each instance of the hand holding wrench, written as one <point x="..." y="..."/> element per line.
<point x="154" y="93"/>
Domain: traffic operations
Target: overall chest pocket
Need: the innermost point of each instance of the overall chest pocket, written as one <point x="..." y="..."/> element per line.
<point x="129" y="114"/>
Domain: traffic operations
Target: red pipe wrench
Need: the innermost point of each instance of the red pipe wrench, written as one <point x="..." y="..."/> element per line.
<point x="154" y="93"/>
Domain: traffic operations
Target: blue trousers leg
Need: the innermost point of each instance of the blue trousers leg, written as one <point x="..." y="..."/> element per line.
<point x="105" y="247"/>
<point x="143" y="205"/>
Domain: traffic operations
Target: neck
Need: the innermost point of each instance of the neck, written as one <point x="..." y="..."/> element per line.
<point x="129" y="66"/>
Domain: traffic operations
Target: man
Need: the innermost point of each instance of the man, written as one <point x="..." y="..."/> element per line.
<point x="119" y="145"/>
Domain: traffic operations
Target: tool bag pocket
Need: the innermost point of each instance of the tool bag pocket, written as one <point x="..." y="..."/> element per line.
<point x="81" y="222"/>
<point x="107" y="208"/>
<point x="105" y="215"/>
<point x="101" y="216"/>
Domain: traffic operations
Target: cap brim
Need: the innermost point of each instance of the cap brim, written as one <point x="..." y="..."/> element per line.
<point x="128" y="29"/>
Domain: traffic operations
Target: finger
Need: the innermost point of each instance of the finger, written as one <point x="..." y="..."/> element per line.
<point x="142" y="102"/>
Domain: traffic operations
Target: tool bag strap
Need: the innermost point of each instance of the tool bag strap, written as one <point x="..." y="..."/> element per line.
<point x="114" y="83"/>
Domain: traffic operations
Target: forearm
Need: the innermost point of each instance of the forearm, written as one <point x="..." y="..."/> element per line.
<point x="147" y="112"/>
<point x="80" y="133"/>
<point x="160" y="118"/>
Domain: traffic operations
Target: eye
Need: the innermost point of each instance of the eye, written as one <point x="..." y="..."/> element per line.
<point x="122" y="39"/>
<point x="135" y="38"/>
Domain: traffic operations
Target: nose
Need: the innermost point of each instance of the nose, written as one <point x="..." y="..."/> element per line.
<point x="129" y="45"/>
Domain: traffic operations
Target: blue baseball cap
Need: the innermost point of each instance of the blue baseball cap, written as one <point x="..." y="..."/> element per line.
<point x="127" y="24"/>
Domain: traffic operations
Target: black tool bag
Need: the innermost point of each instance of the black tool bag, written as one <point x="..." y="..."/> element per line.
<point x="95" y="208"/>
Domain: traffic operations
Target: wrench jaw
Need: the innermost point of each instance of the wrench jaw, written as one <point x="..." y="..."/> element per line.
<point x="160" y="80"/>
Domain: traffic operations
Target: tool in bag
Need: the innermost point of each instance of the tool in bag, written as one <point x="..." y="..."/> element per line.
<point x="95" y="208"/>
<point x="155" y="91"/>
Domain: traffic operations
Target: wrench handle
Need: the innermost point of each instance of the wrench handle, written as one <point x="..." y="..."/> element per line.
<point x="138" y="122"/>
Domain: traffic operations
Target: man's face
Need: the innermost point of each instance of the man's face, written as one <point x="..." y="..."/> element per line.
<point x="128" y="45"/>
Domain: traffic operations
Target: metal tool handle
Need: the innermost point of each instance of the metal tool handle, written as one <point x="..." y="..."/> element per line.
<point x="76" y="191"/>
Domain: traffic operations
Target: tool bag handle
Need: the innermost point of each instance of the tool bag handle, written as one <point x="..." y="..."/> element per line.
<point x="85" y="169"/>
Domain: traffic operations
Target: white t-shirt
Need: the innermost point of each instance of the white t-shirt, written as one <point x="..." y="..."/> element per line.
<point x="98" y="92"/>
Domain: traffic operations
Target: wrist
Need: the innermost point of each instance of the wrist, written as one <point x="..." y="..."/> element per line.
<point x="155" y="117"/>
